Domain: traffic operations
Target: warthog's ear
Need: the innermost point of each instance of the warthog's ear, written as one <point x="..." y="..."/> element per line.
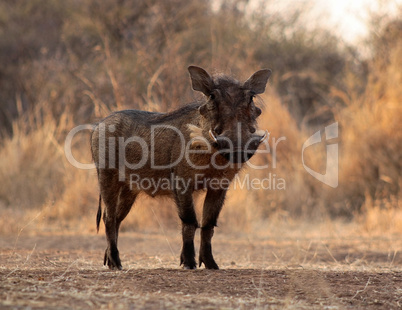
<point x="257" y="82"/>
<point x="201" y="80"/>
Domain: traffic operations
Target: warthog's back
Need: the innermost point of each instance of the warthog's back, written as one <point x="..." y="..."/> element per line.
<point x="142" y="145"/>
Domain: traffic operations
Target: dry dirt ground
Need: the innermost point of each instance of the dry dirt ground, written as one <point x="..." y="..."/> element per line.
<point x="65" y="271"/>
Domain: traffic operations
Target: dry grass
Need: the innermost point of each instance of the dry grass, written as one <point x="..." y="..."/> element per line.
<point x="298" y="267"/>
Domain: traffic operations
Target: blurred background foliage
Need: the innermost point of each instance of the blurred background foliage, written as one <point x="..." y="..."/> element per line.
<point x="65" y="63"/>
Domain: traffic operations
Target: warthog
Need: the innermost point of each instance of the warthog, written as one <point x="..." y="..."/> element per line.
<point x="200" y="146"/>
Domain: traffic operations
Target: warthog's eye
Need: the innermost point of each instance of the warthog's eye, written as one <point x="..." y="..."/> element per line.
<point x="203" y="109"/>
<point x="212" y="96"/>
<point x="252" y="129"/>
<point x="252" y="96"/>
<point x="218" y="129"/>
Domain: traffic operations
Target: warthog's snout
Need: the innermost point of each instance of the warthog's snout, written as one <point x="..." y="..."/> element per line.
<point x="238" y="154"/>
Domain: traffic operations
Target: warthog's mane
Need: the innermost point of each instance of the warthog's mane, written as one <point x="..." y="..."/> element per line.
<point x="182" y="111"/>
<point x="230" y="88"/>
<point x="222" y="81"/>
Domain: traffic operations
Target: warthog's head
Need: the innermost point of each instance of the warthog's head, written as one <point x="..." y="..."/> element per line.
<point x="230" y="113"/>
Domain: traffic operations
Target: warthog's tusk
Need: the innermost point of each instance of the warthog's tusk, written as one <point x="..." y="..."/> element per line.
<point x="212" y="136"/>
<point x="266" y="135"/>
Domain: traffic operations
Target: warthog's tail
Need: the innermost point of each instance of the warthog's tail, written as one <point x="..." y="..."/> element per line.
<point x="99" y="214"/>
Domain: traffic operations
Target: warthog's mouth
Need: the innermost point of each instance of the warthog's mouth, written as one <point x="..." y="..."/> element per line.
<point x="239" y="155"/>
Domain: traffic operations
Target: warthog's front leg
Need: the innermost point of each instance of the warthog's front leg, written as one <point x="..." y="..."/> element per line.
<point x="188" y="217"/>
<point x="212" y="207"/>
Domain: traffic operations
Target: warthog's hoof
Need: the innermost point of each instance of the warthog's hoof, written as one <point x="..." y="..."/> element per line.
<point x="191" y="265"/>
<point x="188" y="263"/>
<point x="187" y="256"/>
<point x="112" y="259"/>
<point x="208" y="261"/>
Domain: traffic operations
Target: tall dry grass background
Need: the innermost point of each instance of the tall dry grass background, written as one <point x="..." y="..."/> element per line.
<point x="66" y="63"/>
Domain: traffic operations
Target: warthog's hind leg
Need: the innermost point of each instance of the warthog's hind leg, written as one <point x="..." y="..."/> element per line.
<point x="114" y="214"/>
